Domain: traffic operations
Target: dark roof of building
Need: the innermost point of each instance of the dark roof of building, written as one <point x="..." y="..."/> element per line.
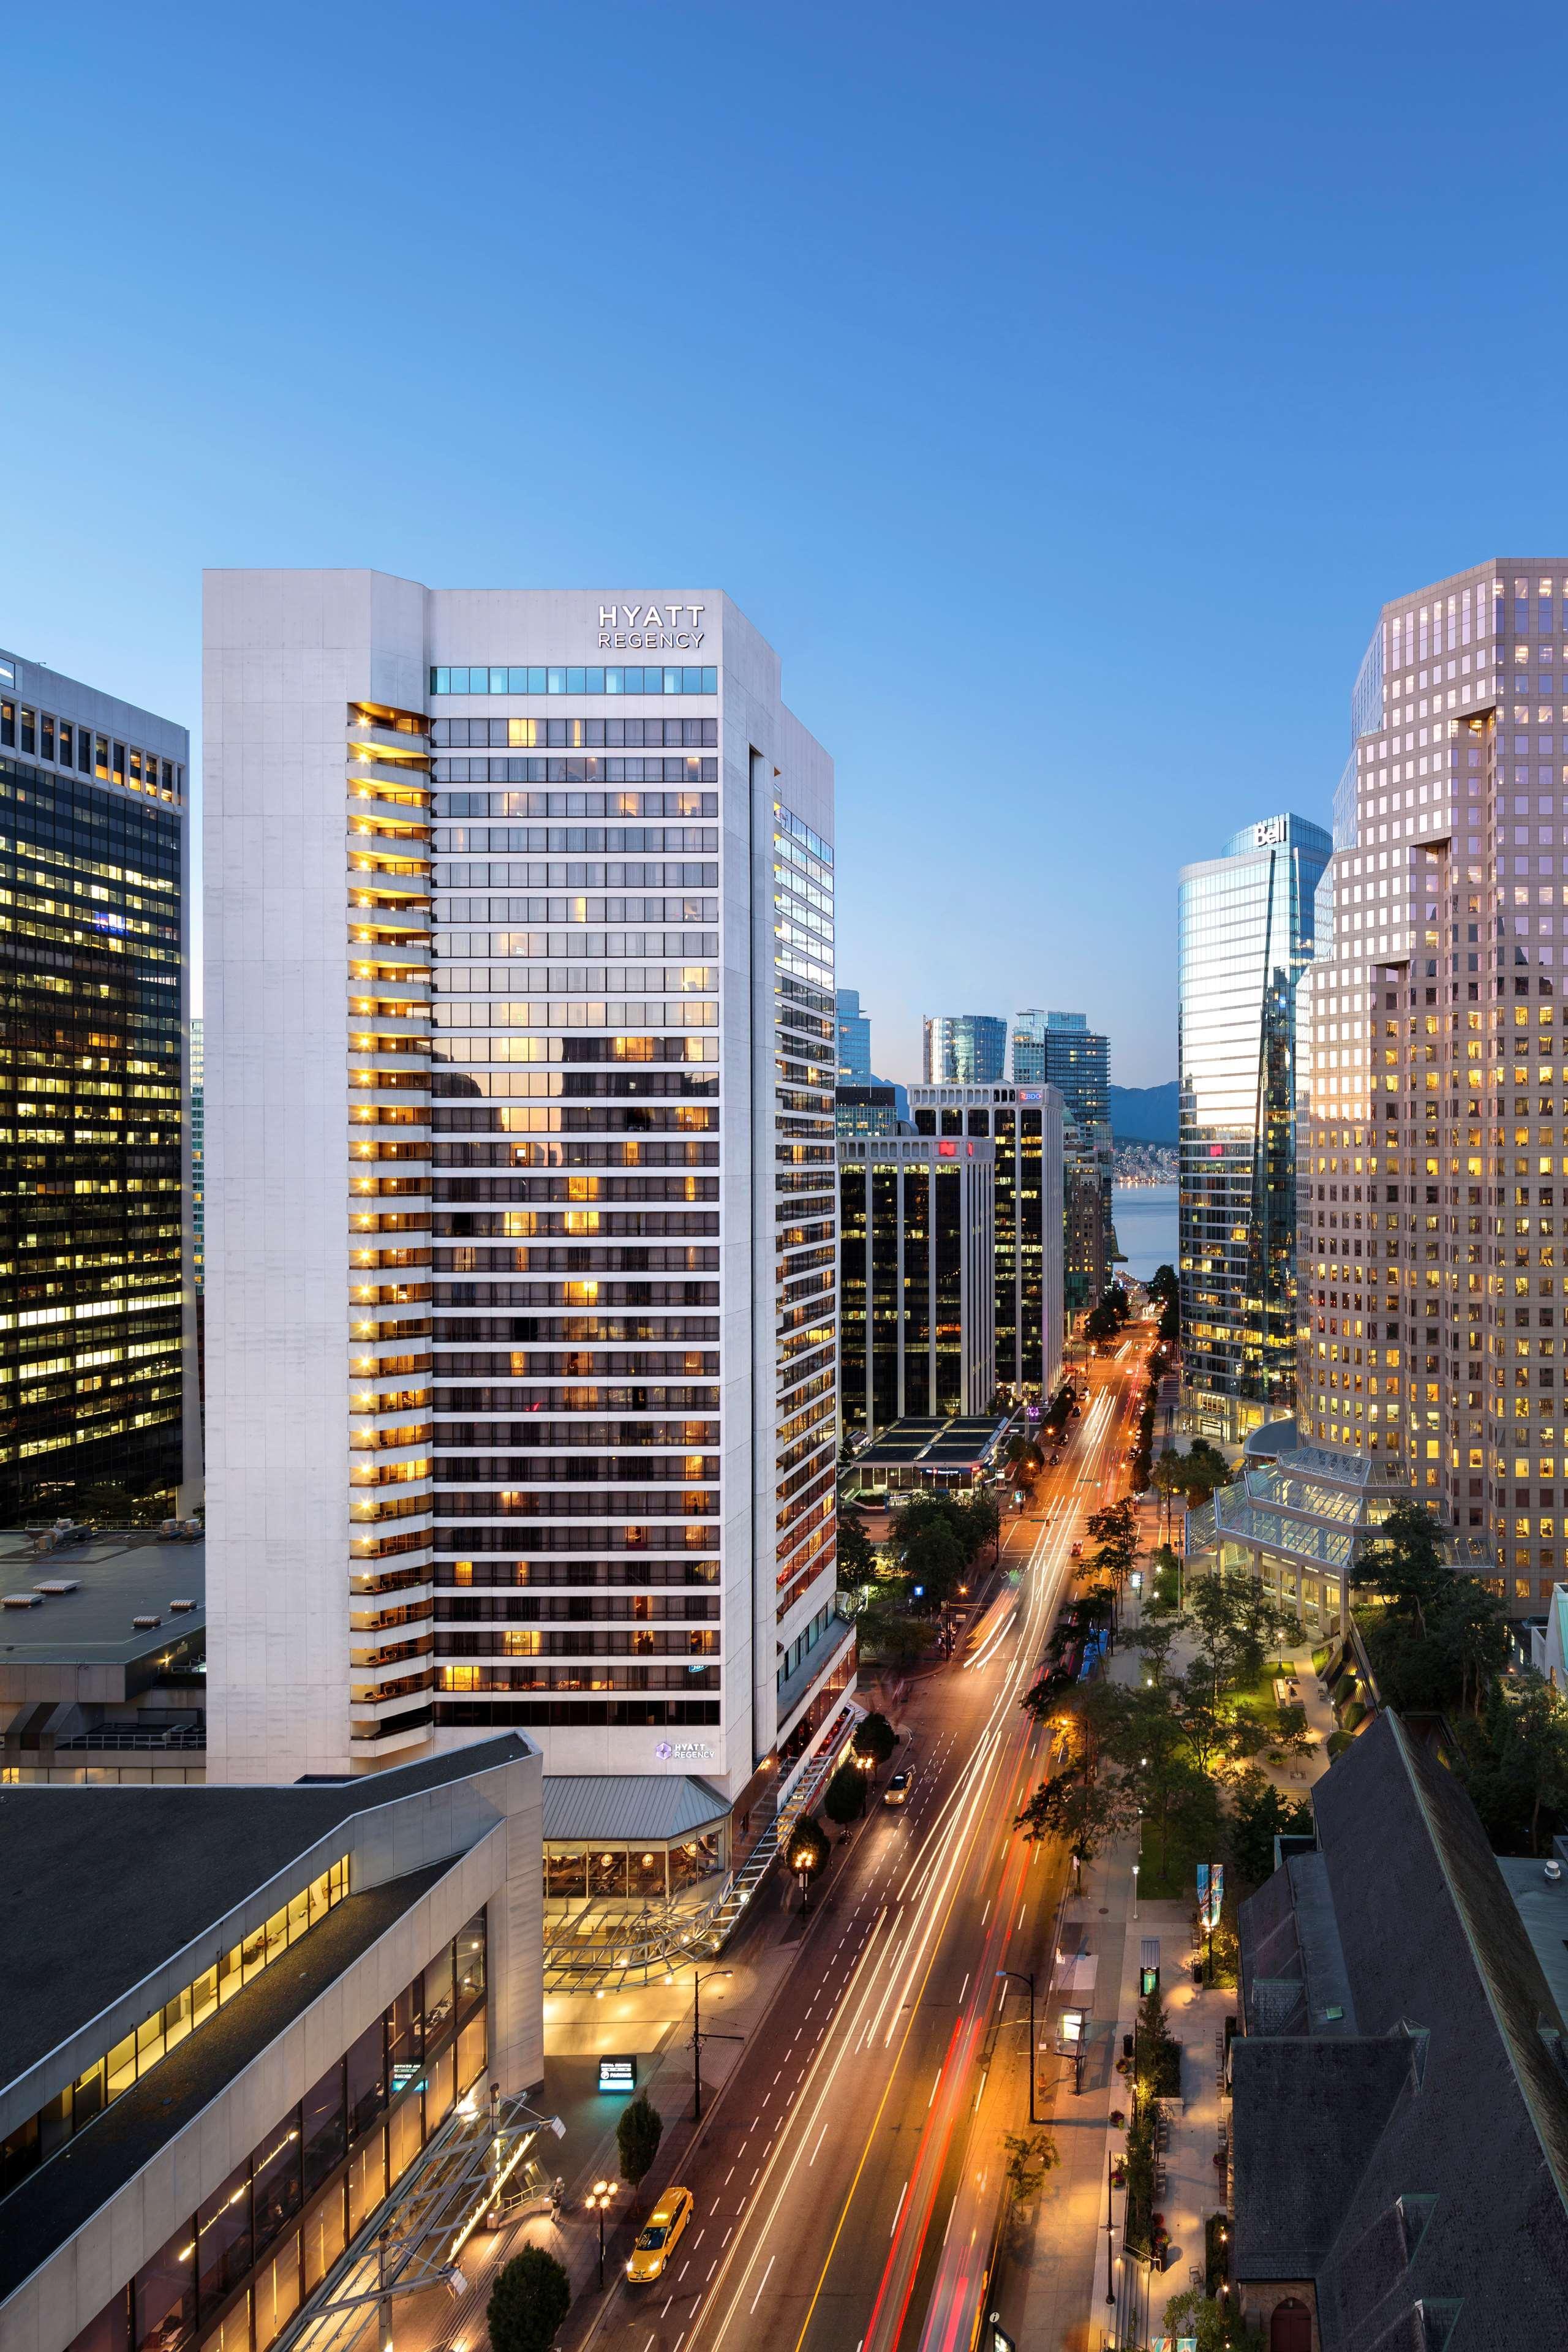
<point x="99" y="1886"/>
<point x="117" y="1577"/>
<point x="1441" y="2172"/>
<point x="65" y="2193"/>
<point x="1315" y="2110"/>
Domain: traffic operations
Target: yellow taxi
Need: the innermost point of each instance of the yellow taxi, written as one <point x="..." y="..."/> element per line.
<point x="662" y="2233"/>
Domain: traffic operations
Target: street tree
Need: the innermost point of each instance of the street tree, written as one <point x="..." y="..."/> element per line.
<point x="1030" y="2156"/>
<point x="857" y="1553"/>
<point x="531" y="2297"/>
<point x="875" y="1738"/>
<point x="844" y="1800"/>
<point x="637" y="2136"/>
<point x="1083" y="1813"/>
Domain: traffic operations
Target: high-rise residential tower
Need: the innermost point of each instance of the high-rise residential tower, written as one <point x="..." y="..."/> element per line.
<point x="1434" y="1134"/>
<point x="965" y="1049"/>
<point x="96" y="1371"/>
<point x="1245" y="935"/>
<point x="521" y="1195"/>
<point x="1077" y="1062"/>
<point x="854" y="1033"/>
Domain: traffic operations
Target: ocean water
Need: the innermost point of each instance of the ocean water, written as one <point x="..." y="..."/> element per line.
<point x="1146" y="1226"/>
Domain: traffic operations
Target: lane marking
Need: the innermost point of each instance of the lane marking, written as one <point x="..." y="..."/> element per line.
<point x="900" y="2206"/>
<point x="758" y="2296"/>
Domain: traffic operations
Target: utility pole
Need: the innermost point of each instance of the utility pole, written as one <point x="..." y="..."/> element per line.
<point x="698" y="1981"/>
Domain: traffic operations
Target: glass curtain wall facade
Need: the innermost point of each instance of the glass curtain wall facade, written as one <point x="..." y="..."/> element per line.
<point x="854" y="1033"/>
<point x="1029" y="1047"/>
<point x="234" y="2272"/>
<point x="1078" y="1063"/>
<point x="93" y="1303"/>
<point x="965" y="1049"/>
<point x="1434" y="1127"/>
<point x="1244" y="936"/>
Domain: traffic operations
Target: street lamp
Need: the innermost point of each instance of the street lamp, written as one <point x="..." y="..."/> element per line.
<point x="1028" y="1979"/>
<point x="599" y="2199"/>
<point x="1135" y="1890"/>
<point x="803" y="1860"/>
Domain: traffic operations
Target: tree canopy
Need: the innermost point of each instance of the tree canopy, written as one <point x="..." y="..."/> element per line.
<point x="531" y="2297"/>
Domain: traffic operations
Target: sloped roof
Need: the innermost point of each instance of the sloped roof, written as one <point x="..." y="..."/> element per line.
<point x="628" y="1805"/>
<point x="1314" y="2112"/>
<point x="1450" y="2105"/>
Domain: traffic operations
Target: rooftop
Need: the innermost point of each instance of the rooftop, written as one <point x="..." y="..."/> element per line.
<point x="118" y="1577"/>
<point x="57" y="2199"/>
<point x="628" y="1806"/>
<point x="166" y="1865"/>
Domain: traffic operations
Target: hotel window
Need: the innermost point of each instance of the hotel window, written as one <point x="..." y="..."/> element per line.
<point x="47" y="737"/>
<point x="29" y="730"/>
<point x="8" y="725"/>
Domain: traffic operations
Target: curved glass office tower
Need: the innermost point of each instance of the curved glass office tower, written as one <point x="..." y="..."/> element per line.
<point x="1246" y="934"/>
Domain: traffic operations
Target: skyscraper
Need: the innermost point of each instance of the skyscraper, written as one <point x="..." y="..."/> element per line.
<point x="1078" y="1063"/>
<point x="521" y="1195"/>
<point x="95" y="1306"/>
<point x="198" y="1084"/>
<point x="854" y="1033"/>
<point x="1245" y="935"/>
<point x="1025" y="1125"/>
<point x="917" y="1278"/>
<point x="1029" y="1047"/>
<point x="1433" y="1148"/>
<point x="965" y="1049"/>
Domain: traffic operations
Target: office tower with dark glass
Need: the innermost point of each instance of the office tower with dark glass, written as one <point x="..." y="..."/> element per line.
<point x="95" y="1306"/>
<point x="1076" y="1060"/>
<point x="1433" y="1151"/>
<point x="1245" y="935"/>
<point x="916" y="1278"/>
<point x="522" y="1199"/>
<point x="1023" y="1125"/>
<point x="965" y="1049"/>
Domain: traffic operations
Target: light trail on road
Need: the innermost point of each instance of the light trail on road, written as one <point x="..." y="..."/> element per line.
<point x="867" y="2205"/>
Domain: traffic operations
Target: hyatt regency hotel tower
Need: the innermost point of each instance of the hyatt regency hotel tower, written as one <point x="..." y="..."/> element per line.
<point x="521" y="1194"/>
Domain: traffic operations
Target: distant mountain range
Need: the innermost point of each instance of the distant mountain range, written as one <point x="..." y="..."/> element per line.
<point x="1145" y="1114"/>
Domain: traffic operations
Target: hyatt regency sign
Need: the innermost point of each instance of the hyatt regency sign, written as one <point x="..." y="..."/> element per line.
<point x="650" y="629"/>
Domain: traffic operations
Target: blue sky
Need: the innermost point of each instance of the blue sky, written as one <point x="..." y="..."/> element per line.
<point x="1061" y="394"/>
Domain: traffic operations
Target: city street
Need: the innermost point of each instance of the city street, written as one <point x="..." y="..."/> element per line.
<point x="849" y="2177"/>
